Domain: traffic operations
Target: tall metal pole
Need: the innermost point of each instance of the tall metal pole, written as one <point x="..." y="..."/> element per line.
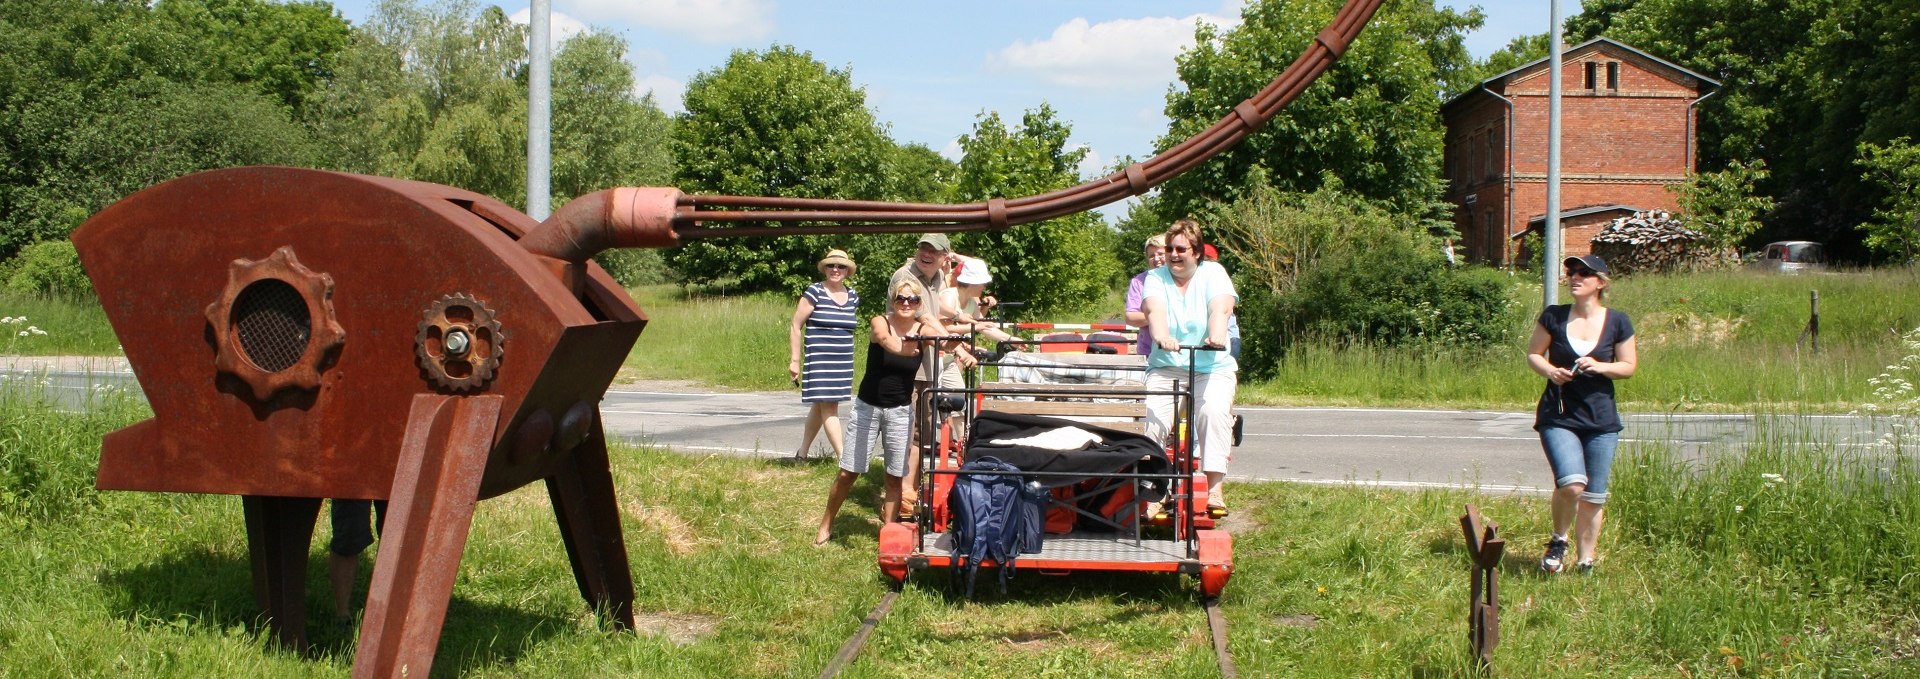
<point x="1551" y="237"/>
<point x="540" y="110"/>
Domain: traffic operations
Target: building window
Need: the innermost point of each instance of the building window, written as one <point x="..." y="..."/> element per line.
<point x="1488" y="170"/>
<point x="1613" y="75"/>
<point x="1593" y="73"/>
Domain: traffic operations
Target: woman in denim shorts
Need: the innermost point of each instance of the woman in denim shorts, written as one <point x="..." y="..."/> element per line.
<point x="1581" y="348"/>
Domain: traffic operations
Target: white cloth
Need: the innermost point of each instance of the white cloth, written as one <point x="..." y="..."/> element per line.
<point x="1064" y="438"/>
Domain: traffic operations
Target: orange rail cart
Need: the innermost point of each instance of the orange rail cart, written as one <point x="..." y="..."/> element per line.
<point x="1120" y="502"/>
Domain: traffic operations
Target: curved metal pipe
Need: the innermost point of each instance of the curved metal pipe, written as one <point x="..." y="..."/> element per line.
<point x="663" y="217"/>
<point x="625" y="217"/>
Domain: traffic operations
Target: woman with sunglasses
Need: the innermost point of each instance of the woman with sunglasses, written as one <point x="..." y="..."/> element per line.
<point x="821" y="338"/>
<point x="1187" y="303"/>
<point x="883" y="408"/>
<point x="1581" y="348"/>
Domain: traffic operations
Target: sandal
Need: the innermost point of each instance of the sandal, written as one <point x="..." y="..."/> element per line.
<point x="1217" y="511"/>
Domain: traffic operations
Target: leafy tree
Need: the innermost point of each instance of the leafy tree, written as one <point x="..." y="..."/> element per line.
<point x="283" y="50"/>
<point x="1895" y="231"/>
<point x="436" y="94"/>
<point x="1804" y="84"/>
<point x="1332" y="266"/>
<point x="602" y="135"/>
<point x="1059" y="264"/>
<point x="100" y="99"/>
<point x="1723" y="205"/>
<point x="1372" y="120"/>
<point x="777" y="123"/>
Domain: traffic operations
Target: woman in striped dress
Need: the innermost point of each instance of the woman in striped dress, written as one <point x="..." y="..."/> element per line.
<point x="822" y="335"/>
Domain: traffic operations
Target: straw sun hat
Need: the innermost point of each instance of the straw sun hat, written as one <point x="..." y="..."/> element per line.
<point x="838" y="257"/>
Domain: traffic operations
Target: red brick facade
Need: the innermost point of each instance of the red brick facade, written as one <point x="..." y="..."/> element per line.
<point x="1627" y="125"/>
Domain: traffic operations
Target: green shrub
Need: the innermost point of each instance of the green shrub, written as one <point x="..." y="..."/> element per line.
<point x="634" y="267"/>
<point x="48" y="267"/>
<point x="1329" y="266"/>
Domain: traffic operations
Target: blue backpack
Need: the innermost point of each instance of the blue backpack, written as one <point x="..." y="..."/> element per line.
<point x="996" y="516"/>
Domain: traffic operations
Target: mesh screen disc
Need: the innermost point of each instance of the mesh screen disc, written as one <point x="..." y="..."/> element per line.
<point x="270" y="319"/>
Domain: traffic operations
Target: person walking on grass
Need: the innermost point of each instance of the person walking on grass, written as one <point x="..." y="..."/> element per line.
<point x="884" y="407"/>
<point x="820" y="338"/>
<point x="1581" y="348"/>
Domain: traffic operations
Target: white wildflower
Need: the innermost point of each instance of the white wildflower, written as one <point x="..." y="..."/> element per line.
<point x="1738" y="509"/>
<point x="23" y="333"/>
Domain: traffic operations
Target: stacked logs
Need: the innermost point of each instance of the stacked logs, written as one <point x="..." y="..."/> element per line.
<point x="1654" y="240"/>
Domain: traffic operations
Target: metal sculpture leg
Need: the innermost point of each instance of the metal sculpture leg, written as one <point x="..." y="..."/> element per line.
<point x="589" y="516"/>
<point x="435" y="487"/>
<point x="1485" y="547"/>
<point x="279" y="531"/>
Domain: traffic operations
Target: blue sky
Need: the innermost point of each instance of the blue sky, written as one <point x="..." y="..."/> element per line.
<point x="930" y="68"/>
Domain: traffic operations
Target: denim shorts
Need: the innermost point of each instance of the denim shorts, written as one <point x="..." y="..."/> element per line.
<point x="1580" y="457"/>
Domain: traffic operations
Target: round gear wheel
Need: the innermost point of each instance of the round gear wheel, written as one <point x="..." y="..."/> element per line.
<point x="459" y="343"/>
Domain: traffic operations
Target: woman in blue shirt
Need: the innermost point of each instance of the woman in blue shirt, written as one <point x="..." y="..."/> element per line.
<point x="1580" y="348"/>
<point x="1188" y="302"/>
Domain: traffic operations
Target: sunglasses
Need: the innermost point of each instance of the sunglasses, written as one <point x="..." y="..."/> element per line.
<point x="837" y="267"/>
<point x="1576" y="271"/>
<point x="906" y="299"/>
<point x="1180" y="249"/>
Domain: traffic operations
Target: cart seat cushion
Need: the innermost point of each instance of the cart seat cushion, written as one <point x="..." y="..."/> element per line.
<point x="1118" y="451"/>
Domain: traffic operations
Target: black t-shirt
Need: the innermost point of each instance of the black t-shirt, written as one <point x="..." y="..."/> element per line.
<point x="1586" y="403"/>
<point x="888" y="382"/>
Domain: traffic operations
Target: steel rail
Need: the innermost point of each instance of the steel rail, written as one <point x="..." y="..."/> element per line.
<point x="851" y="649"/>
<point x="1217" y="625"/>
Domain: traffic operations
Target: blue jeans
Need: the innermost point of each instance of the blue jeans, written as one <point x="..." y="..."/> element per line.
<point x="1580" y="457"/>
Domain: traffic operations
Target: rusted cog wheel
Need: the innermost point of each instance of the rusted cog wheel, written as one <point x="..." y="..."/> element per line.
<point x="459" y="343"/>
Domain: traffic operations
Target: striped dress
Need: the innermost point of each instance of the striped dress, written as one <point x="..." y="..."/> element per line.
<point x="828" y="375"/>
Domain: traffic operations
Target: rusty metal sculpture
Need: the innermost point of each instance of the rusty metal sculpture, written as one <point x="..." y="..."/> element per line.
<point x="1484" y="548"/>
<point x="282" y="320"/>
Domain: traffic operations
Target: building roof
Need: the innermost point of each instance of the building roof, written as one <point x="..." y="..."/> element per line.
<point x="1539" y="222"/>
<point x="1566" y="54"/>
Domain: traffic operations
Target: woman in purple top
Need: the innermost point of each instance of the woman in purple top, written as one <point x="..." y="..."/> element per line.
<point x="1136" y="317"/>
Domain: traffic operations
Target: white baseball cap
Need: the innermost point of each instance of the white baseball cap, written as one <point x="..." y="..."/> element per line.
<point x="974" y="272"/>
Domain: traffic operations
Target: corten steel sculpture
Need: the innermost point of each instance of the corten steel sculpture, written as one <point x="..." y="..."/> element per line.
<point x="304" y="334"/>
<point x="1484" y="548"/>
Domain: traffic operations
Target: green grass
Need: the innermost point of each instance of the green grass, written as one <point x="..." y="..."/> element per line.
<point x="1808" y="576"/>
<point x="1708" y="342"/>
<point x="1718" y="341"/>
<point x="72" y="327"/>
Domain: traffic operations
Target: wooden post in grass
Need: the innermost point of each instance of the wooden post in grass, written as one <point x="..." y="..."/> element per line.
<point x="1813" y="323"/>
<point x="1483" y="610"/>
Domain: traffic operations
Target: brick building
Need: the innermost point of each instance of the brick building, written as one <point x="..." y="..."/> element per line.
<point x="1627" y="124"/>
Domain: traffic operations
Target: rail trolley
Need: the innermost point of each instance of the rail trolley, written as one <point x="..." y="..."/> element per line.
<point x="1122" y="502"/>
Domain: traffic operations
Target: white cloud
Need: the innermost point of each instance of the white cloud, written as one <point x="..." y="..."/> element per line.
<point x="668" y="93"/>
<point x="560" y="27"/>
<point x="953" y="151"/>
<point x="1122" y="53"/>
<point x="709" y="21"/>
<point x="1091" y="165"/>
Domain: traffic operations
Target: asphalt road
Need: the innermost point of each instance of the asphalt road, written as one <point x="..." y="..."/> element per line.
<point x="1494" y="451"/>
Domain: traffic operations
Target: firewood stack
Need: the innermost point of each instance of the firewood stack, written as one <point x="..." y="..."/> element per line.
<point x="1654" y="240"/>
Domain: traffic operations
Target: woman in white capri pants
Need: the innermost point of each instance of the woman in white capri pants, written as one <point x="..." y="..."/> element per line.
<point x="1187" y="303"/>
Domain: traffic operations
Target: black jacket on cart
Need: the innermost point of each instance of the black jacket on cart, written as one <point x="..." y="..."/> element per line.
<point x="1118" y="451"/>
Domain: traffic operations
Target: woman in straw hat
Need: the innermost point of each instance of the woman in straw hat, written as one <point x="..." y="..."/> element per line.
<point x="821" y="339"/>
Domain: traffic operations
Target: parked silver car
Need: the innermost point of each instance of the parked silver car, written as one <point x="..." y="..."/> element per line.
<point x="1792" y="256"/>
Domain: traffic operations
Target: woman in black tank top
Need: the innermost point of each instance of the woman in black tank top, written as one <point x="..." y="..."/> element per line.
<point x="882" y="408"/>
